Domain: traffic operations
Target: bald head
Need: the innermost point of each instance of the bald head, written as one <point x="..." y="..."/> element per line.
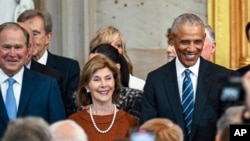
<point x="66" y="130"/>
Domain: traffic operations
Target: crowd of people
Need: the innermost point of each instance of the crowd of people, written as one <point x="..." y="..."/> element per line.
<point x="47" y="97"/>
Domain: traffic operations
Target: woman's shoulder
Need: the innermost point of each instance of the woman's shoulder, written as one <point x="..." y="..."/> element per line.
<point x="122" y="115"/>
<point x="80" y="114"/>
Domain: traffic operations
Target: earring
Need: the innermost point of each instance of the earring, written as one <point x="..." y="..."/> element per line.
<point x="87" y="90"/>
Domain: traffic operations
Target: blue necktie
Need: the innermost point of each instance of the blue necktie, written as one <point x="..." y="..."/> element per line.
<point x="188" y="100"/>
<point x="10" y="103"/>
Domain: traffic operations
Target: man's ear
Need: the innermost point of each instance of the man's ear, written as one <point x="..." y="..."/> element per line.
<point x="48" y="39"/>
<point x="213" y="46"/>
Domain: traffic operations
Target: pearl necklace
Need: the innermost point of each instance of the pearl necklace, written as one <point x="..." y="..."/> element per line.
<point x="93" y="121"/>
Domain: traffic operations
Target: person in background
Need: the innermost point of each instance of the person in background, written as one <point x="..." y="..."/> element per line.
<point x="170" y="50"/>
<point x="111" y="35"/>
<point x="99" y="88"/>
<point x="164" y="129"/>
<point x="246" y="68"/>
<point x="185" y="89"/>
<point x="130" y="99"/>
<point x="67" y="130"/>
<point x="27" y="129"/>
<point x="235" y="115"/>
<point x="33" y="65"/>
<point x="24" y="92"/>
<point x="209" y="43"/>
<point x="232" y="115"/>
<point x="41" y="24"/>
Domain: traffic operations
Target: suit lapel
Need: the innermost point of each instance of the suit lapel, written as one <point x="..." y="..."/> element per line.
<point x="36" y="66"/>
<point x="26" y="91"/>
<point x="173" y="94"/>
<point x="3" y="113"/>
<point x="202" y="93"/>
<point x="51" y="61"/>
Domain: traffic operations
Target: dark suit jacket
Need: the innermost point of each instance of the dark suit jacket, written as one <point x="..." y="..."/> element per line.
<point x="69" y="68"/>
<point x="59" y="77"/>
<point x="161" y="98"/>
<point x="40" y="96"/>
<point x="243" y="70"/>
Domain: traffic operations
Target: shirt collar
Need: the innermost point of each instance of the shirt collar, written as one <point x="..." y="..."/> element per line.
<point x="28" y="65"/>
<point x="18" y="76"/>
<point x="43" y="59"/>
<point x="180" y="68"/>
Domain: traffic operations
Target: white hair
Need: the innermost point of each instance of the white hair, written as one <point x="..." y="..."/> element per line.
<point x="67" y="130"/>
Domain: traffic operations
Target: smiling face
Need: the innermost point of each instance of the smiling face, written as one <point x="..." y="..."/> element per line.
<point x="13" y="50"/>
<point x="102" y="86"/>
<point x="189" y="43"/>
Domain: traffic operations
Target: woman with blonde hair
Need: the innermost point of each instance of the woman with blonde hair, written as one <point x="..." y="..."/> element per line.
<point x="111" y="35"/>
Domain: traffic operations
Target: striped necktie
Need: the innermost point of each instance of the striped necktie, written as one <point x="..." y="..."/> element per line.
<point x="188" y="100"/>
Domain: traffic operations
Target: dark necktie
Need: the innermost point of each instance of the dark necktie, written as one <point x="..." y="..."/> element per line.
<point x="10" y="103"/>
<point x="188" y="100"/>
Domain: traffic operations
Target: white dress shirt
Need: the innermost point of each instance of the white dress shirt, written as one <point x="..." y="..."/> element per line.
<point x="43" y="59"/>
<point x="193" y="75"/>
<point x="17" y="86"/>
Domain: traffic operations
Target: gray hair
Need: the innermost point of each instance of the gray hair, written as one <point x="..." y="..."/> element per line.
<point x="233" y="115"/>
<point x="27" y="129"/>
<point x="186" y="19"/>
<point x="67" y="130"/>
<point x="210" y="32"/>
<point x="44" y="15"/>
<point x="15" y="26"/>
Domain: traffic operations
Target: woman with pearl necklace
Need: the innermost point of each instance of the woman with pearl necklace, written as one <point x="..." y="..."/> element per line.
<point x="99" y="88"/>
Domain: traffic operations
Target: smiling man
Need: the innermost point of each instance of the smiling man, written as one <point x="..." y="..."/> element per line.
<point x="31" y="93"/>
<point x="184" y="90"/>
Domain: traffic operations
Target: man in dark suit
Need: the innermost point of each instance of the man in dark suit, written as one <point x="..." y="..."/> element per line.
<point x="245" y="69"/>
<point x="33" y="65"/>
<point x="33" y="94"/>
<point x="41" y="25"/>
<point x="164" y="92"/>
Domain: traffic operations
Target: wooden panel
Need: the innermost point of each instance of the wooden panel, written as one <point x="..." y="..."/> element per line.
<point x="229" y="18"/>
<point x="239" y="47"/>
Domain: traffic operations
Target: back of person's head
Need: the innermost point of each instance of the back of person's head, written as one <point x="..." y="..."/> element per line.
<point x="27" y="129"/>
<point x="164" y="129"/>
<point x="232" y="115"/>
<point x="247" y="31"/>
<point x="113" y="54"/>
<point x="44" y="15"/>
<point x="67" y="130"/>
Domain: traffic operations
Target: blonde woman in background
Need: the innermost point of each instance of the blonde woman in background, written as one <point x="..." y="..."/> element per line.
<point x="111" y="35"/>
